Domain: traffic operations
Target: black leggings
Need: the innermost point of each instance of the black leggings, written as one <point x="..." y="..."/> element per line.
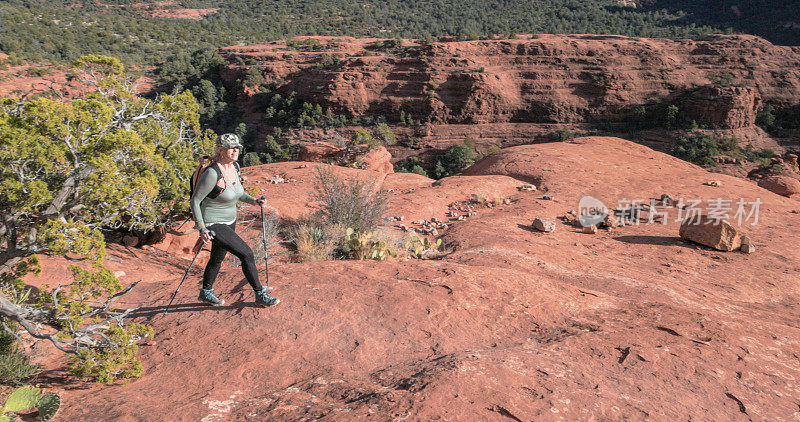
<point x="226" y="240"/>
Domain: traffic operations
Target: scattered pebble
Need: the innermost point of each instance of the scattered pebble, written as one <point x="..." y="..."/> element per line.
<point x="543" y="225"/>
<point x="747" y="245"/>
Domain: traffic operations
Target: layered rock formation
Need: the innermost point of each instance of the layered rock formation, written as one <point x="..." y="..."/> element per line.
<point x="720" y="81"/>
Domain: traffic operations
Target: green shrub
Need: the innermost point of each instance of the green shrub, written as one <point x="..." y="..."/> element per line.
<point x="765" y="118"/>
<point x="722" y="79"/>
<point x="131" y="169"/>
<point x="308" y="44"/>
<point x="779" y="121"/>
<point x="410" y="165"/>
<point x="352" y="203"/>
<point x="254" y="77"/>
<point x="384" y="134"/>
<point x="327" y="60"/>
<point x="15" y="365"/>
<point x="564" y="135"/>
<point x="659" y="113"/>
<point x="700" y="149"/>
<point x="35" y="72"/>
<point x="454" y="159"/>
<point x="421" y="247"/>
<point x="251" y="159"/>
<point x="288" y="111"/>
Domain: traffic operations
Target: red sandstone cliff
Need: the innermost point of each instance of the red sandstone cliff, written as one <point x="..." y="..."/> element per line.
<point x="721" y="80"/>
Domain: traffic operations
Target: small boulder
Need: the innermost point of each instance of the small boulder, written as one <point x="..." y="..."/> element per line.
<point x="379" y="159"/>
<point x="710" y="232"/>
<point x="590" y="229"/>
<point x="747" y="245"/>
<point x="544" y="225"/>
<point x="782" y="185"/>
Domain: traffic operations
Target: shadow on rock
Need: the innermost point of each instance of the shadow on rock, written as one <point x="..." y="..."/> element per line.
<point x="152" y="311"/>
<point x="655" y="240"/>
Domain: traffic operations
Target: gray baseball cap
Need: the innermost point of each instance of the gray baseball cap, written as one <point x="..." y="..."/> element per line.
<point x="228" y="140"/>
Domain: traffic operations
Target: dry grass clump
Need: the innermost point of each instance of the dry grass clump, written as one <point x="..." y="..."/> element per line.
<point x="316" y="242"/>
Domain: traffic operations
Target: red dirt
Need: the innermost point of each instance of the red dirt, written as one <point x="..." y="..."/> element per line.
<point x="513" y="323"/>
<point x="17" y="79"/>
<point x="194" y="14"/>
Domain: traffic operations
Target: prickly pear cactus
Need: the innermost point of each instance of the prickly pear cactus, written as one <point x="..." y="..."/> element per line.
<point x="48" y="406"/>
<point x="23" y="398"/>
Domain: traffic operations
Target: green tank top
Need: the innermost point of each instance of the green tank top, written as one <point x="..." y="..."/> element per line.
<point x="221" y="209"/>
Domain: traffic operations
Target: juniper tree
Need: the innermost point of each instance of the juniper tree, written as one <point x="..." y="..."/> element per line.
<point x="69" y="168"/>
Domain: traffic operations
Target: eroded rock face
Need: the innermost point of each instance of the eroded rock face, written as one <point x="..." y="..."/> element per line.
<point x="713" y="233"/>
<point x="730" y="107"/>
<point x="550" y="79"/>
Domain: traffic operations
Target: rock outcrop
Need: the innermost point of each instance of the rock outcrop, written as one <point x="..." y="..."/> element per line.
<point x="781" y="177"/>
<point x="720" y="80"/>
<point x="723" y="107"/>
<point x="507" y="323"/>
<point x="377" y="159"/>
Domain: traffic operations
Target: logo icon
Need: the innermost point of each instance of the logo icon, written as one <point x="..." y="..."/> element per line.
<point x="591" y="211"/>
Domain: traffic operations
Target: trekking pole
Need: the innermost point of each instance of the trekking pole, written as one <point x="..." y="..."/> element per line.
<point x="266" y="247"/>
<point x="184" y="276"/>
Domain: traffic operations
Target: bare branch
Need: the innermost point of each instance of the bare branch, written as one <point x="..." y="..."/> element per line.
<point x="90" y="336"/>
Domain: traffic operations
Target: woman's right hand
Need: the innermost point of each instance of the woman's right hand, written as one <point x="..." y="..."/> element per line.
<point x="206" y="235"/>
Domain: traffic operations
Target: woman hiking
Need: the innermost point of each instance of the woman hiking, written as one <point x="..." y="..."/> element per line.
<point x="213" y="201"/>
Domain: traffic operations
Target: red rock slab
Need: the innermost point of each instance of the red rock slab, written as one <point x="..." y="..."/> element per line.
<point x="510" y="324"/>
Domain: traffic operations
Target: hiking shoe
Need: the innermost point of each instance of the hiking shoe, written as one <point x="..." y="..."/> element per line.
<point x="210" y="298"/>
<point x="264" y="299"/>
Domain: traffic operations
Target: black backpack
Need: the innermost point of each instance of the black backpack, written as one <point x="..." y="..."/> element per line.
<point x="201" y="167"/>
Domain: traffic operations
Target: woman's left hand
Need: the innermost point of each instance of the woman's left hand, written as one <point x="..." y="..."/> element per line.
<point x="262" y="202"/>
